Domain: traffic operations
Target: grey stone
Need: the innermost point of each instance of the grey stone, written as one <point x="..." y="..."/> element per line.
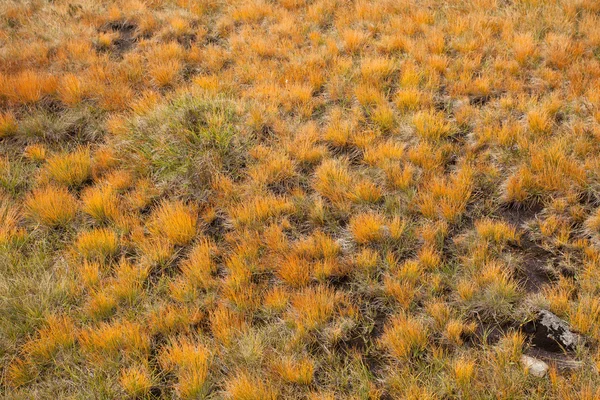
<point x="534" y="366"/>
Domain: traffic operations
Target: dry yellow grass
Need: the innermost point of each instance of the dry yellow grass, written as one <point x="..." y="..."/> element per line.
<point x="431" y="125"/>
<point x="8" y="124"/>
<point x="332" y="180"/>
<point x="100" y="203"/>
<point x="71" y="169"/>
<point x="29" y="87"/>
<point x="405" y="337"/>
<point x="243" y="386"/>
<point x="296" y="371"/>
<point x="367" y="228"/>
<point x="191" y="362"/>
<point x="59" y="333"/>
<point x="464" y="372"/>
<point x="51" y="206"/>
<point x="176" y="221"/>
<point x="295" y="271"/>
<point x="97" y="244"/>
<point x="35" y="152"/>
<point x="136" y="381"/>
<point x="313" y="306"/>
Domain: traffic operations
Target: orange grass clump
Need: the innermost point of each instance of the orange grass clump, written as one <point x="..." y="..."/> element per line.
<point x="70" y="169"/>
<point x="97" y="244"/>
<point x="51" y="206"/>
<point x="405" y="336"/>
<point x="176" y="221"/>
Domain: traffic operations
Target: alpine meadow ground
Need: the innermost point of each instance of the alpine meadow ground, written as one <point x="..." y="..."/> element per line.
<point x="299" y="199"/>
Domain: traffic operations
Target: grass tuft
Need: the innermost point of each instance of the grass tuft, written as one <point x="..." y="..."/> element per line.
<point x="176" y="221"/>
<point x="70" y="169"/>
<point x="404" y="337"/>
<point x="51" y="206"/>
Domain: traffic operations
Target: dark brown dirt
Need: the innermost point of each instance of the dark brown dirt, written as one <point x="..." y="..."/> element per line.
<point x="480" y="100"/>
<point x="517" y="216"/>
<point x="488" y="333"/>
<point x="127" y="36"/>
<point x="534" y="274"/>
<point x="533" y="271"/>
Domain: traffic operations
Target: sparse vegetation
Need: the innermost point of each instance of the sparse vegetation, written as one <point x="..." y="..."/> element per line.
<point x="298" y="199"/>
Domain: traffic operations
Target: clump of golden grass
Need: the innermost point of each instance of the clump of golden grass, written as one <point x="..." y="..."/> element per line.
<point x="367" y="228"/>
<point x="298" y="371"/>
<point x="366" y="260"/>
<point x="384" y="118"/>
<point x="8" y="124"/>
<point x="366" y="192"/>
<point x="170" y="319"/>
<point x="35" y="152"/>
<point x="70" y="90"/>
<point x="295" y="271"/>
<point x="304" y="149"/>
<point x="129" y="278"/>
<point x="586" y="314"/>
<point x="333" y="181"/>
<point x="100" y="203"/>
<point x="142" y="195"/>
<point x="464" y="372"/>
<point x="199" y="266"/>
<point x="226" y="324"/>
<point x="411" y="99"/>
<point x="111" y="339"/>
<point x="455" y="329"/>
<point x="165" y="73"/>
<point x="247" y="387"/>
<point x="524" y="47"/>
<point x="318" y="246"/>
<point x="276" y="300"/>
<point x="175" y="220"/>
<point x="509" y="348"/>
<point x="190" y="361"/>
<point x="402" y="291"/>
<point x="19" y="372"/>
<point x="70" y="169"/>
<point x="431" y="125"/>
<point x="101" y="305"/>
<point x="384" y="153"/>
<point x="260" y="209"/>
<point x="376" y="69"/>
<point x="97" y="244"/>
<point x="51" y="206"/>
<point x="90" y="273"/>
<point x="29" y="87"/>
<point x="496" y="231"/>
<point x="58" y="333"/>
<point x="593" y="222"/>
<point x="405" y="336"/>
<point x="136" y="381"/>
<point x="157" y="251"/>
<point x="311" y="307"/>
<point x="10" y="218"/>
<point x="353" y="40"/>
<point x="448" y="198"/>
<point x="103" y="161"/>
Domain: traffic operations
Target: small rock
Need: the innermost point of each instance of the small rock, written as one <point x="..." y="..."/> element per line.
<point x="534" y="366"/>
